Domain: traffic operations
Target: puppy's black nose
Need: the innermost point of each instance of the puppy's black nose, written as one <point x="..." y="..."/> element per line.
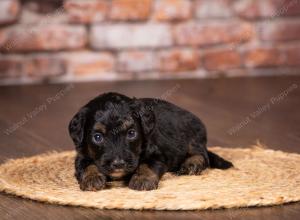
<point x="118" y="164"/>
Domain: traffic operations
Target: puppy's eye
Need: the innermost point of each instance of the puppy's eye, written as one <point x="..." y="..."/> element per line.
<point x="97" y="138"/>
<point x="131" y="134"/>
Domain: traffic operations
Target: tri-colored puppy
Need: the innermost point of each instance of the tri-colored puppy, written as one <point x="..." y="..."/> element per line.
<point x="137" y="140"/>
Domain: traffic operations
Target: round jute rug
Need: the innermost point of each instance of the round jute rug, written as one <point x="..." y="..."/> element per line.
<point x="260" y="177"/>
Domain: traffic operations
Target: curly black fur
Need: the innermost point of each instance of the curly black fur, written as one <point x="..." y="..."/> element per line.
<point x="137" y="140"/>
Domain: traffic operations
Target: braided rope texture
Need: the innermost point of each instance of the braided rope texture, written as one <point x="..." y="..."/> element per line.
<point x="261" y="177"/>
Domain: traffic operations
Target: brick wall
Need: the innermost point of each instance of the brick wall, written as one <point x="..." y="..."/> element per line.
<point x="73" y="40"/>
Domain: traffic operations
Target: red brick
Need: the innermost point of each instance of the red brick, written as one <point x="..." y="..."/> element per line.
<point x="165" y="10"/>
<point x="3" y="37"/>
<point x="86" y="62"/>
<point x="37" y="66"/>
<point x="136" y="61"/>
<point x="222" y="59"/>
<point x="175" y="60"/>
<point x="9" y="11"/>
<point x="253" y="9"/>
<point x="43" y="65"/>
<point x="130" y="9"/>
<point x="10" y="66"/>
<point x="292" y="55"/>
<point x="86" y="11"/>
<point x="264" y="57"/>
<point x="43" y="38"/>
<point x="213" y="33"/>
<point x="213" y="8"/>
<point x="120" y="36"/>
<point x="280" y="30"/>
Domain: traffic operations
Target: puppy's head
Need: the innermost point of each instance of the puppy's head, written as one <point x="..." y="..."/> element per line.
<point x="111" y="130"/>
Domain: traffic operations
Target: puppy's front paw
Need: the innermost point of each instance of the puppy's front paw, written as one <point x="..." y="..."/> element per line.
<point x="92" y="180"/>
<point x="143" y="183"/>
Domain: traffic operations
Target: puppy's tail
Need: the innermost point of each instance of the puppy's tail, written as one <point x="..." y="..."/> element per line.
<point x="218" y="162"/>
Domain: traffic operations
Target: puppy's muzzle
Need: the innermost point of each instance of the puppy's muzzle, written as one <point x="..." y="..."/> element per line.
<point x="118" y="164"/>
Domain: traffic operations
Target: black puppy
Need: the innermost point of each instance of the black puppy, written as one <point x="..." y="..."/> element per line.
<point x="138" y="140"/>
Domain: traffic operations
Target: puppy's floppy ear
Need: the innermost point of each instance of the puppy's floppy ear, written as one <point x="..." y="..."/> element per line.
<point x="145" y="114"/>
<point x="76" y="127"/>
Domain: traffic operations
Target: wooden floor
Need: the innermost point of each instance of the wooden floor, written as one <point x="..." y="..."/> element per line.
<point x="238" y="112"/>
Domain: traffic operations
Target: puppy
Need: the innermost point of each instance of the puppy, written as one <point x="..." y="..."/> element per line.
<point x="137" y="140"/>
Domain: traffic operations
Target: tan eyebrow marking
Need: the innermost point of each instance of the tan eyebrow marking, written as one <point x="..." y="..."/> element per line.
<point x="127" y="124"/>
<point x="101" y="127"/>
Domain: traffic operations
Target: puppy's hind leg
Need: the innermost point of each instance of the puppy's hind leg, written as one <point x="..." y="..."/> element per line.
<point x="197" y="159"/>
<point x="193" y="165"/>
